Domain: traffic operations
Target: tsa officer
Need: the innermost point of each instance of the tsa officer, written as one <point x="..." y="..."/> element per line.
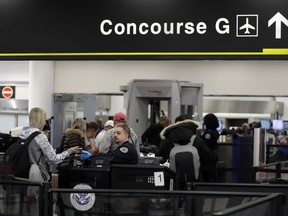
<point x="210" y="137"/>
<point x="125" y="152"/>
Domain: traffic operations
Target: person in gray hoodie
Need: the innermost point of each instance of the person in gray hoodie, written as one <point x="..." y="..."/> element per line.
<point x="108" y="143"/>
<point x="40" y="150"/>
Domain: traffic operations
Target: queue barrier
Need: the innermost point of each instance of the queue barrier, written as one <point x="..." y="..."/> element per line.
<point x="257" y="207"/>
<point x="110" y="202"/>
<point x="276" y="172"/>
<point x="22" y="197"/>
<point x="264" y="188"/>
<point x="169" y="203"/>
<point x="117" y="191"/>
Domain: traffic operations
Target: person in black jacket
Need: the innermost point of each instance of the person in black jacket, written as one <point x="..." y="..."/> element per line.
<point x="166" y="144"/>
<point x="151" y="135"/>
<point x="126" y="152"/>
<point x="189" y="128"/>
<point x="74" y="136"/>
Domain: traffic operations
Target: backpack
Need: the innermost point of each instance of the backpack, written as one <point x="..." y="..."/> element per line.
<point x="185" y="161"/>
<point x="17" y="158"/>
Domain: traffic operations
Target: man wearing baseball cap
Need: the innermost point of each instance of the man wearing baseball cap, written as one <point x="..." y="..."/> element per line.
<point x="108" y="143"/>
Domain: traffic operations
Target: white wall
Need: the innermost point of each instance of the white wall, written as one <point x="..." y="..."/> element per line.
<point x="218" y="77"/>
<point x="254" y="78"/>
<point x="16" y="73"/>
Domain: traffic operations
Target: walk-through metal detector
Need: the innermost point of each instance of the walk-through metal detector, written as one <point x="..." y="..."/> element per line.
<point x="146" y="100"/>
<point x="65" y="111"/>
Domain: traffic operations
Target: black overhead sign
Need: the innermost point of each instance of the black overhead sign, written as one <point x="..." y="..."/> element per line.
<point x="143" y="29"/>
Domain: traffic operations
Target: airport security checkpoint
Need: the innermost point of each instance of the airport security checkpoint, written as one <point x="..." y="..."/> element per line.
<point x="143" y="108"/>
<point x="93" y="185"/>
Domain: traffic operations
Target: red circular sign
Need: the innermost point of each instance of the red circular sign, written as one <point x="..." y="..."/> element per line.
<point x="7" y="92"/>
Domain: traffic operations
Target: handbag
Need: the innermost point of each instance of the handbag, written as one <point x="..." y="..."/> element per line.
<point x="35" y="174"/>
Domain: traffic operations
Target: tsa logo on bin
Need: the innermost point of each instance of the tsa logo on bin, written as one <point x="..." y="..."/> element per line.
<point x="82" y="201"/>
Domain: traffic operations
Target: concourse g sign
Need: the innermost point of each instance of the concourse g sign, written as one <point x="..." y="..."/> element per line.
<point x="144" y="29"/>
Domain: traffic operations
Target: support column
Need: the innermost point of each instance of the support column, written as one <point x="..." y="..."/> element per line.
<point x="41" y="85"/>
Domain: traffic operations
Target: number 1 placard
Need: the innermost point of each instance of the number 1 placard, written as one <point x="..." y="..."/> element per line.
<point x="159" y="178"/>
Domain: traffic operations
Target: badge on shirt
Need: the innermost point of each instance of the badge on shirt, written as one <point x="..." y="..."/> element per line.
<point x="124" y="150"/>
<point x="207" y="136"/>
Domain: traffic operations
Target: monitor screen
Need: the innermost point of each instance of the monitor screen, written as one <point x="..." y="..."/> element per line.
<point x="278" y="124"/>
<point x="265" y="123"/>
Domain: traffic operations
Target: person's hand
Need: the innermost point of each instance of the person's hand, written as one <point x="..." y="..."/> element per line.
<point x="85" y="155"/>
<point x="76" y="149"/>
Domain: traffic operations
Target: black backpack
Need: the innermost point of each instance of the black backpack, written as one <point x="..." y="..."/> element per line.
<point x="17" y="158"/>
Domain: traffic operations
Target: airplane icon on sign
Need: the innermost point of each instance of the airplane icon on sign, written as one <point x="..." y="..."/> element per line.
<point x="247" y="27"/>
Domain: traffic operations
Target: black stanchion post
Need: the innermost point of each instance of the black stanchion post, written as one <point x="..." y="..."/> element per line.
<point x="267" y="153"/>
<point x="47" y="209"/>
<point x="253" y="171"/>
<point x="278" y="170"/>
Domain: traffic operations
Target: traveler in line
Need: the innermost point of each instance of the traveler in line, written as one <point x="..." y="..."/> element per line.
<point x="151" y="135"/>
<point x="74" y="136"/>
<point x="90" y="134"/>
<point x="108" y="125"/>
<point x="185" y="121"/>
<point x="40" y="148"/>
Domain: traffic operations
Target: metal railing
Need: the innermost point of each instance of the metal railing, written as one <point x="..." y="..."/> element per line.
<point x="51" y="201"/>
<point x="252" y="208"/>
<point x="22" y="197"/>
